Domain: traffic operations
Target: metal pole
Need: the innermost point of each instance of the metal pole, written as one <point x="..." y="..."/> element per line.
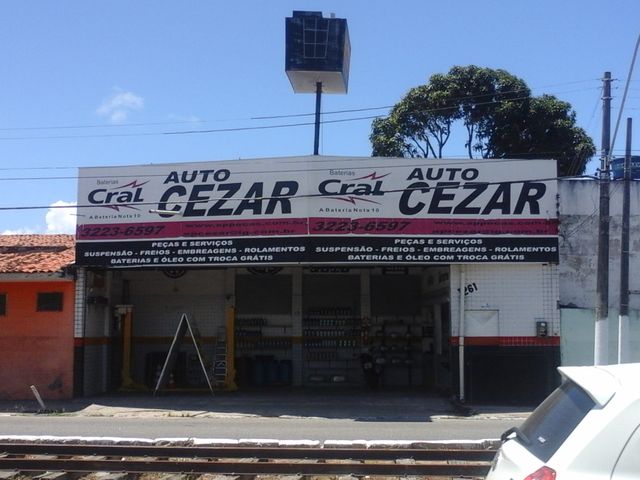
<point x="623" y="318"/>
<point x="316" y="141"/>
<point x="36" y="394"/>
<point x="461" y="321"/>
<point x="601" y="334"/>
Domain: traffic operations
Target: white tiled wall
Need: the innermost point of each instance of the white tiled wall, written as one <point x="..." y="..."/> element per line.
<point x="522" y="295"/>
<point x="78" y="330"/>
<point x="90" y="321"/>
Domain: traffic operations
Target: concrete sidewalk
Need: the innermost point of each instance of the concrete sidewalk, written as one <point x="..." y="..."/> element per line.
<point x="360" y="404"/>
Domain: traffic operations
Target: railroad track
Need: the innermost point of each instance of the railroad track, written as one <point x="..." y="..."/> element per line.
<point x="43" y="459"/>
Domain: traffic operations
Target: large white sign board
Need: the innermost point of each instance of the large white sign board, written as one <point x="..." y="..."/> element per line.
<point x="315" y="210"/>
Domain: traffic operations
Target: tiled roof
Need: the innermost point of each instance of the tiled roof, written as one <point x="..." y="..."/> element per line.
<point x="36" y="253"/>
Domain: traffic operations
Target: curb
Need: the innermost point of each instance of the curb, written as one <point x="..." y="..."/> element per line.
<point x="484" y="444"/>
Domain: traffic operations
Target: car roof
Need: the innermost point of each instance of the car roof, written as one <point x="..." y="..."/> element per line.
<point x="601" y="382"/>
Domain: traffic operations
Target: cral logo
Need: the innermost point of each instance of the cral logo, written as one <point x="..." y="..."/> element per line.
<point x="353" y="190"/>
<point x="118" y="197"/>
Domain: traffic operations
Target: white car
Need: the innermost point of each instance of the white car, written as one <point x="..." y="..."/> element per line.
<point x="586" y="429"/>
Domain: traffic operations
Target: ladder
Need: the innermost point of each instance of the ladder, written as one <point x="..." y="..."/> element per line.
<point x="207" y="369"/>
<point x="219" y="373"/>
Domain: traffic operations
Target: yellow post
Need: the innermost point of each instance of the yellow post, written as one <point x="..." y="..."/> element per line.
<point x="229" y="383"/>
<point x="127" y="327"/>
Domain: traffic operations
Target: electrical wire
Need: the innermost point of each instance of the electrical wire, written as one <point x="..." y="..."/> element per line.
<point x="241" y="129"/>
<point x="106" y="125"/>
<point x="422" y="189"/>
<point x="237" y="129"/>
<point x="461" y="156"/>
<point x="624" y="95"/>
<point x="418" y="162"/>
<point x="264" y="117"/>
<point x="616" y="187"/>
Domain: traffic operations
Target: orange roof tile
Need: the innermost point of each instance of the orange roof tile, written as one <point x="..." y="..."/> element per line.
<point x="36" y="253"/>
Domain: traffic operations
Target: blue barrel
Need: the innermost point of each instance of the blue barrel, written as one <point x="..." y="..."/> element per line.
<point x="284" y="372"/>
<point x="258" y="373"/>
<point x="272" y="371"/>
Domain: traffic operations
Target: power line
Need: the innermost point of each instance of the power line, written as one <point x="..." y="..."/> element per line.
<point x="184" y="132"/>
<point x="353" y="110"/>
<point x="387" y="107"/>
<point x="315" y="195"/>
<point x="616" y="187"/>
<point x="239" y="129"/>
<point x="461" y="156"/>
<point x="236" y="129"/>
<point x="432" y="162"/>
<point x="263" y="117"/>
<point x="106" y="125"/>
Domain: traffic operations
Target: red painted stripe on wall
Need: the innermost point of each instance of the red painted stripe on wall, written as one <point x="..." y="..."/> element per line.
<point x="508" y="341"/>
<point x="82" y="341"/>
<point x="468" y="341"/>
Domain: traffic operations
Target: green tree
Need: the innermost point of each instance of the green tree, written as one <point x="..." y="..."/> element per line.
<point x="547" y="130"/>
<point x="500" y="117"/>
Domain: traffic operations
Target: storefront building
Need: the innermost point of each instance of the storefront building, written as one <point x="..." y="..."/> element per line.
<point x="37" y="311"/>
<point x="321" y="271"/>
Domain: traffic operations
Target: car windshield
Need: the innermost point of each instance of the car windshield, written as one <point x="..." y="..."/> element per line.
<point x="555" y="418"/>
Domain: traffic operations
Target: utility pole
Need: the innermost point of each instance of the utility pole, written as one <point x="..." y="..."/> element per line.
<point x="623" y="318"/>
<point x="316" y="138"/>
<point x="601" y="337"/>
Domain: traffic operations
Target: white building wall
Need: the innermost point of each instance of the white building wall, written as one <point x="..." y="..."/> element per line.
<point x="579" y="218"/>
<point x="579" y="214"/>
<point x="506" y="300"/>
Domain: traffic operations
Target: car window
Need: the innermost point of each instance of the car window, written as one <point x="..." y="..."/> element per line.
<point x="555" y="418"/>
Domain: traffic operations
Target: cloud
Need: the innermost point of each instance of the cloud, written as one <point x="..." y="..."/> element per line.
<point x="183" y="118"/>
<point x="61" y="219"/>
<point x="119" y="105"/>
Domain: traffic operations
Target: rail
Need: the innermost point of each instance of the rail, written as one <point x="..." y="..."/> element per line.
<point x="31" y="459"/>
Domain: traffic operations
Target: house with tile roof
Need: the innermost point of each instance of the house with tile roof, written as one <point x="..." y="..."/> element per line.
<point x="37" y="301"/>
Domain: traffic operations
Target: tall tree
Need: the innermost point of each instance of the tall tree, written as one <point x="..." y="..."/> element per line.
<point x="500" y="117"/>
<point x="546" y="130"/>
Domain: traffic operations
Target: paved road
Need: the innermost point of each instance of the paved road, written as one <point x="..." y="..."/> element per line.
<point x="281" y="415"/>
<point x="259" y="427"/>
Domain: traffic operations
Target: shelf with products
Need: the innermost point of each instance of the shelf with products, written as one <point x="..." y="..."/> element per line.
<point x="331" y="335"/>
<point x="331" y="328"/>
<point x="396" y="345"/>
<point x="331" y="317"/>
<point x="257" y="334"/>
<point x="252" y="343"/>
<point x="341" y="312"/>
<point x="391" y="328"/>
<point x="331" y="341"/>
